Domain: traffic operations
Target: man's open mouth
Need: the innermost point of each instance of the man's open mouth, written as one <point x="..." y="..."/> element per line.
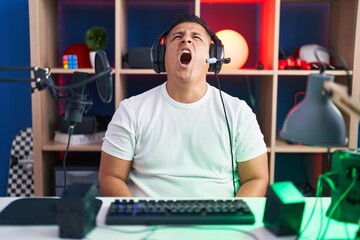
<point x="185" y="57"/>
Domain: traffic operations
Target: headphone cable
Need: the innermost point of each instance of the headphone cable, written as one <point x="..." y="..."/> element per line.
<point x="229" y="133"/>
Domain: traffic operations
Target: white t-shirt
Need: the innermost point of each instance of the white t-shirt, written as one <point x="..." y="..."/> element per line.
<point x="182" y="150"/>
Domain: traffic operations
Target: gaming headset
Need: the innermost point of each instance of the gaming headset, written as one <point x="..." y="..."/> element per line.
<point x="158" y="53"/>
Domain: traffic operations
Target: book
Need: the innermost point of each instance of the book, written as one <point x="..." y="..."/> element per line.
<point x="79" y="139"/>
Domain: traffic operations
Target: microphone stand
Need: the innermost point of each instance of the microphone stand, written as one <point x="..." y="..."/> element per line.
<point x="42" y="78"/>
<point x="77" y="98"/>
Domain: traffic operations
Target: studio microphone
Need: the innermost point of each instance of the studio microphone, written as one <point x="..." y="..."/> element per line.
<point x="77" y="100"/>
<point x="216" y="60"/>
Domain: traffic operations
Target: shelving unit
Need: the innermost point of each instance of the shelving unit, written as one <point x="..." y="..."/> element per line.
<point x="344" y="38"/>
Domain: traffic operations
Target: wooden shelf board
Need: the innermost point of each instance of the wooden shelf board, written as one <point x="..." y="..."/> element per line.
<point x="283" y="147"/>
<point x="307" y="72"/>
<point x="55" y="146"/>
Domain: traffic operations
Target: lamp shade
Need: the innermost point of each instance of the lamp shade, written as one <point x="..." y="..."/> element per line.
<point x="235" y="47"/>
<point x="316" y="120"/>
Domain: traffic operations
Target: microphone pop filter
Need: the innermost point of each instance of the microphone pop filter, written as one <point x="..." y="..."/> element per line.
<point x="104" y="83"/>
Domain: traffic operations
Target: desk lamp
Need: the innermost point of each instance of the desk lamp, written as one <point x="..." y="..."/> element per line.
<point x="317" y="121"/>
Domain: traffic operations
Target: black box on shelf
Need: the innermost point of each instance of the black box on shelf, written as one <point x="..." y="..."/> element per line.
<point x="74" y="174"/>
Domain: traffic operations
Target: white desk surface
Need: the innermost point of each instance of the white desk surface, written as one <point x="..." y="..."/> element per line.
<point x="336" y="230"/>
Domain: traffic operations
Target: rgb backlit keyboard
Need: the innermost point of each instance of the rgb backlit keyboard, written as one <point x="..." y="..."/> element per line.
<point x="170" y="212"/>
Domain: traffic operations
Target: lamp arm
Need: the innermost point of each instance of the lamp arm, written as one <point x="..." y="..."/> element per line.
<point x="338" y="94"/>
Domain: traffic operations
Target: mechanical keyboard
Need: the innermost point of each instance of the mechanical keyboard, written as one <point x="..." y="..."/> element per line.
<point x="184" y="212"/>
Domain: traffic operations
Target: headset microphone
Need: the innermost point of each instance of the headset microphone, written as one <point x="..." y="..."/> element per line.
<point x="216" y="60"/>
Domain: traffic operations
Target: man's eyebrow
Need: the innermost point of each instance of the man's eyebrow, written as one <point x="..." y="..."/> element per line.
<point x="193" y="33"/>
<point x="196" y="34"/>
<point x="176" y="33"/>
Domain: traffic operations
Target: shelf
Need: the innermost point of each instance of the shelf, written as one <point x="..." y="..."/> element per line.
<point x="55" y="146"/>
<point x="282" y="146"/>
<point x="308" y="72"/>
<point x="70" y="71"/>
<point x="254" y="72"/>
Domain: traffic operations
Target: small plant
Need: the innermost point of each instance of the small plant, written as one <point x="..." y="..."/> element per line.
<point x="96" y="38"/>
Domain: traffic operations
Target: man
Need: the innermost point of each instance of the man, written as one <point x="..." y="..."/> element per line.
<point x="173" y="140"/>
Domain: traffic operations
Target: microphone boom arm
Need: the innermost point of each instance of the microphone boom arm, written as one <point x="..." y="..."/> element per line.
<point x="42" y="78"/>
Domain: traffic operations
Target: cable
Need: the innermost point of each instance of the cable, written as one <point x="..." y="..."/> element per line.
<point x="251" y="95"/>
<point x="86" y="81"/>
<point x="252" y="235"/>
<point x="150" y="230"/>
<point x="229" y="229"/>
<point x="108" y="228"/>
<point x="319" y="189"/>
<point x="318" y="194"/>
<point x="229" y="132"/>
<point x="309" y="220"/>
<point x="338" y="58"/>
<point x="296" y="96"/>
<point x="70" y="132"/>
<point x="354" y="176"/>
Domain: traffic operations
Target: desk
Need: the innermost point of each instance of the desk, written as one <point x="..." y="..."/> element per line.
<point x="336" y="230"/>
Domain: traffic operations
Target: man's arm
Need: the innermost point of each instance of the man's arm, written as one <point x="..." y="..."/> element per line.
<point x="113" y="174"/>
<point x="253" y="177"/>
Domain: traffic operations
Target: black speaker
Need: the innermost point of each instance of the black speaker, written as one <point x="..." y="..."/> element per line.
<point x="346" y="165"/>
<point x="76" y="211"/>
<point x="283" y="209"/>
<point x="139" y="57"/>
<point x="158" y="53"/>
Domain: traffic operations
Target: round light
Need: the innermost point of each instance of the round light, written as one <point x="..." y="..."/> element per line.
<point x="235" y="47"/>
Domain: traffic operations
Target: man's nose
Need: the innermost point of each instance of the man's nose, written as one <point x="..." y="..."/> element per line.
<point x="186" y="40"/>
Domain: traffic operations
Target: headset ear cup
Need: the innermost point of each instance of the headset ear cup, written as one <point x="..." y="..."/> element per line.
<point x="158" y="54"/>
<point x="157" y="57"/>
<point x="216" y="51"/>
<point x="154" y="57"/>
<point x="212" y="54"/>
<point x="161" y="58"/>
<point x="219" y="55"/>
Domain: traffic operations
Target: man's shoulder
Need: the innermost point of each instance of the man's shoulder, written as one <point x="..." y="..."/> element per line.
<point x="229" y="99"/>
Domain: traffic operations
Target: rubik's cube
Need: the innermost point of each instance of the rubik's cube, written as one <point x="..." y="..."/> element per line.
<point x="70" y="61"/>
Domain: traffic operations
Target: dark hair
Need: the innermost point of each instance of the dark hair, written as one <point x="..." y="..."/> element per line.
<point x="189" y="18"/>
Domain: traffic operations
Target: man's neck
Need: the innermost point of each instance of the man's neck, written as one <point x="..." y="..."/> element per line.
<point x="186" y="92"/>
